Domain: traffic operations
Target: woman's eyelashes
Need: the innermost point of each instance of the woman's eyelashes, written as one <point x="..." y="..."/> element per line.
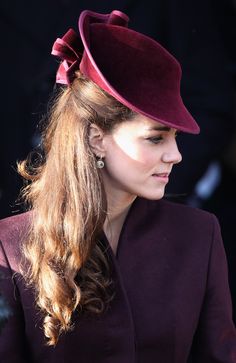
<point x="158" y="138"/>
<point x="155" y="139"/>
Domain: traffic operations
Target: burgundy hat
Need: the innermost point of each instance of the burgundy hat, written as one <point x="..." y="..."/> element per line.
<point x="128" y="65"/>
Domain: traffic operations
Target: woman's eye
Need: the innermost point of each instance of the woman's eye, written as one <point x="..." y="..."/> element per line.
<point x="155" y="140"/>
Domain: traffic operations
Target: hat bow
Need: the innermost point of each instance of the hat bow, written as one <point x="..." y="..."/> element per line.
<point x="69" y="49"/>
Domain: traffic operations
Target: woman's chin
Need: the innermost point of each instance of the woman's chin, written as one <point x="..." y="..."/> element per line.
<point x="153" y="196"/>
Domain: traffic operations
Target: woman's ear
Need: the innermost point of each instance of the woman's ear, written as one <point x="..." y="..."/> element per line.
<point x="96" y="136"/>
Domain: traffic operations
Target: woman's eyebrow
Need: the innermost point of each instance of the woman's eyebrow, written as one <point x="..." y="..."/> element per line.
<point x="159" y="128"/>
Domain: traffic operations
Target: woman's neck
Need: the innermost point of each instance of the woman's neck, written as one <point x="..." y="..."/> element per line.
<point x="118" y="207"/>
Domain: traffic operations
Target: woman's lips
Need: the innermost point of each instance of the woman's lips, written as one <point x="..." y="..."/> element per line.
<point x="164" y="177"/>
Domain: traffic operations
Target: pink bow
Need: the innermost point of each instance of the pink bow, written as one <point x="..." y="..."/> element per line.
<point x="69" y="49"/>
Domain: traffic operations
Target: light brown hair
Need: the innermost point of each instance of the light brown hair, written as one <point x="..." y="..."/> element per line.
<point x="63" y="259"/>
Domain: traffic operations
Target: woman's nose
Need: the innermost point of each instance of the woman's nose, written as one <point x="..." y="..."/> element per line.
<point x="172" y="154"/>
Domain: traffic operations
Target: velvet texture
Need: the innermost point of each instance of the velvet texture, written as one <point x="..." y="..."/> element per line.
<point x="172" y="301"/>
<point x="130" y="66"/>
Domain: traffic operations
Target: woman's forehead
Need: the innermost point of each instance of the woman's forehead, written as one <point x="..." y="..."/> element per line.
<point x="140" y="125"/>
<point x="150" y="124"/>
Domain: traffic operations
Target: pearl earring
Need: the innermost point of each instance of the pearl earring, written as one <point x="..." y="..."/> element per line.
<point x="100" y="163"/>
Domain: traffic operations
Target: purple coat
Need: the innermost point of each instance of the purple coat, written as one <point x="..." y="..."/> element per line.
<point x="172" y="302"/>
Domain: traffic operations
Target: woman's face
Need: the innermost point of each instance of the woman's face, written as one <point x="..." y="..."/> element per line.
<point x="139" y="156"/>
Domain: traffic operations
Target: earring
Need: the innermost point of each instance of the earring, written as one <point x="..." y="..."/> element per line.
<point x="100" y="163"/>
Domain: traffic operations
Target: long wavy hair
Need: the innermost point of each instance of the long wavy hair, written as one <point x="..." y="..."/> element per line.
<point x="63" y="259"/>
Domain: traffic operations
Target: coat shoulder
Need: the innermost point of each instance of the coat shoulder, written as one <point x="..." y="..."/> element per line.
<point x="14" y="226"/>
<point x="13" y="230"/>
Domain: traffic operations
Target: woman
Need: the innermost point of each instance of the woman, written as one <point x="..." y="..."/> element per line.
<point x="101" y="269"/>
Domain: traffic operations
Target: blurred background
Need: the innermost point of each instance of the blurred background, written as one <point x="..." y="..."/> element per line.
<point x="200" y="34"/>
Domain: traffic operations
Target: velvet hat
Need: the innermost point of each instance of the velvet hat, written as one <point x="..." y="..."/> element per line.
<point x="130" y="66"/>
